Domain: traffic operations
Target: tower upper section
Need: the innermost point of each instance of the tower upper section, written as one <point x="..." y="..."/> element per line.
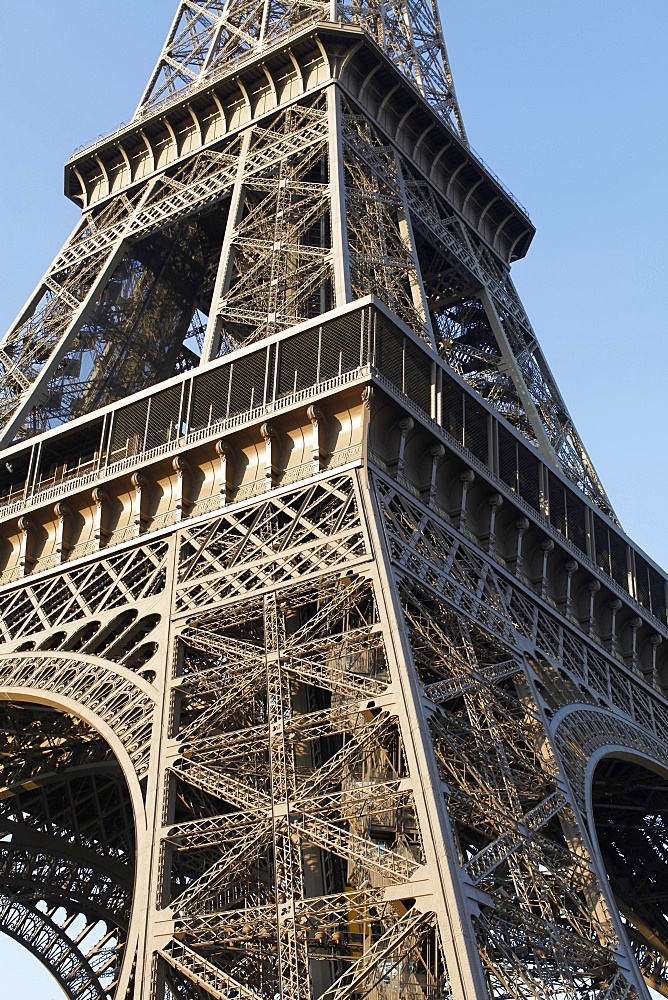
<point x="285" y="161"/>
<point x="211" y="38"/>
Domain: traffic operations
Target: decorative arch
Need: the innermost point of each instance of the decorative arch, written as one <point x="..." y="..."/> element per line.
<point x="583" y="734"/>
<point x="48" y="942"/>
<point x="618" y="773"/>
<point x="82" y="733"/>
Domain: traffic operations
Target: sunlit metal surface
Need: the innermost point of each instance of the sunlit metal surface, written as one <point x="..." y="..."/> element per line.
<point x="325" y="668"/>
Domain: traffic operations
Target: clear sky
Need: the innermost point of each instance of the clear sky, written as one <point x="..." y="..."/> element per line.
<point x="565" y="99"/>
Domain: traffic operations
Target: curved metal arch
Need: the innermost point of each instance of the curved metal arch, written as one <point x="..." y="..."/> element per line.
<point x="92" y="711"/>
<point x="88" y="909"/>
<point x="620" y="751"/>
<point x="634" y="852"/>
<point x="58" y="948"/>
<point x="98" y="662"/>
<point x="585" y="735"/>
<point x="578" y="743"/>
<point x="78" y="887"/>
<point x="71" y="707"/>
<point x="94" y="695"/>
<point x="89" y="897"/>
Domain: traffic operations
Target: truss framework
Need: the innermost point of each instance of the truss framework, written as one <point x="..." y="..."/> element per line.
<point x="297" y="785"/>
<point x="297" y="709"/>
<point x="211" y="38"/>
<point x="305" y="210"/>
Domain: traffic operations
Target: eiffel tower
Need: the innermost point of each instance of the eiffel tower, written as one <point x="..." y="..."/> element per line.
<point x="326" y="670"/>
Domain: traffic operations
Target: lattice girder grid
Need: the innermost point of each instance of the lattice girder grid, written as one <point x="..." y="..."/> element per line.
<point x="536" y="814"/>
<point x="308" y="810"/>
<point x="67" y="859"/>
<point x="77" y="344"/>
<point x="483" y="331"/>
<point x="301" y="211"/>
<point x="208" y="39"/>
<point x="326" y="812"/>
<point x="363" y="768"/>
<point x="258" y="578"/>
<point x="50" y="351"/>
<point x="274" y="274"/>
<point x="453" y="577"/>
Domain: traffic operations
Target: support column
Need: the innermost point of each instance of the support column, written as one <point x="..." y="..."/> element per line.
<point x="101" y="499"/>
<point x="211" y="347"/>
<point x="157" y="925"/>
<point x="437" y="453"/>
<point x="467" y="479"/>
<point x="511" y="365"/>
<point x="317" y="418"/>
<point x="415" y="275"/>
<point x="571" y="569"/>
<point x="63" y="513"/>
<point x="450" y="901"/>
<point x="337" y="188"/>
<point x="270" y="435"/>
<point x="182" y="469"/>
<point x="140" y="483"/>
<point x="406" y="425"/>
<point x="26" y="528"/>
<point x="522" y="525"/>
<point x="226" y="453"/>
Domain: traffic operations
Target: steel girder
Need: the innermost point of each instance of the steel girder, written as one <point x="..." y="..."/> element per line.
<point x="209" y="39"/>
<point x="310" y="207"/>
<point x="67" y="849"/>
<point x="365" y="773"/>
<point x="296" y="715"/>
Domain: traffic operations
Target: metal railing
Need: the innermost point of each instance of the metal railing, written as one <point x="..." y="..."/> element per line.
<point x="217" y="428"/>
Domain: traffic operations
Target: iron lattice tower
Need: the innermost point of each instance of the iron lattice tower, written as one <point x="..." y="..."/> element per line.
<point x="326" y="669"/>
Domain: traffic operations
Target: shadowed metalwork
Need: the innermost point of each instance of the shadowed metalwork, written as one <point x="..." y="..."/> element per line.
<point x="326" y="670"/>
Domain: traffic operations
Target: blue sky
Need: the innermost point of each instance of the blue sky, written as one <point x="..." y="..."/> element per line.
<point x="565" y="99"/>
